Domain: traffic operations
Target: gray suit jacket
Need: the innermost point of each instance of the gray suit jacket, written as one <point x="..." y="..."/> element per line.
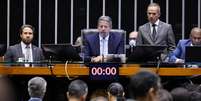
<point x="15" y="52"/>
<point x="164" y="36"/>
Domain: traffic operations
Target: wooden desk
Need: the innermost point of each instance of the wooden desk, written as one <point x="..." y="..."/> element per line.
<point x="81" y="70"/>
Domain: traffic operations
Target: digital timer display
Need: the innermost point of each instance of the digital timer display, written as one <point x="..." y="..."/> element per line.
<point x="103" y="71"/>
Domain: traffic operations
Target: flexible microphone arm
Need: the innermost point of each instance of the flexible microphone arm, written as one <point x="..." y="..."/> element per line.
<point x="159" y="60"/>
<point x="50" y="66"/>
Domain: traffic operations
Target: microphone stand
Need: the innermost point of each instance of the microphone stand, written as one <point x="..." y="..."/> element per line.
<point x="131" y="48"/>
<point x="50" y="66"/>
<point x="159" y="60"/>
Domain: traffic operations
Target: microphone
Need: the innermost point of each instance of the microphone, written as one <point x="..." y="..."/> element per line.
<point x="132" y="44"/>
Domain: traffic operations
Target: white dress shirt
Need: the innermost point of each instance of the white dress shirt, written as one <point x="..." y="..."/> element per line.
<point x="103" y="45"/>
<point x="28" y="57"/>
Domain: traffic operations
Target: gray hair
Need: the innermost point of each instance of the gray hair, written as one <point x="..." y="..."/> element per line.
<point x="155" y="5"/>
<point x="105" y="18"/>
<point x="37" y="87"/>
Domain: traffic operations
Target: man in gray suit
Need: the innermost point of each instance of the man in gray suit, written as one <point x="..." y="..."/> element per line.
<point x="156" y="32"/>
<point x="24" y="51"/>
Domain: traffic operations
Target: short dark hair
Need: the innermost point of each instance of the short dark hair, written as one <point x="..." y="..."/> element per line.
<point x="77" y="88"/>
<point x="24" y="26"/>
<point x="116" y="89"/>
<point x="180" y="94"/>
<point x="155" y="5"/>
<point x="142" y="82"/>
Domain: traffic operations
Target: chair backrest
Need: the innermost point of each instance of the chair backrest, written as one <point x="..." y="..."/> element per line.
<point x="87" y="31"/>
<point x="93" y="31"/>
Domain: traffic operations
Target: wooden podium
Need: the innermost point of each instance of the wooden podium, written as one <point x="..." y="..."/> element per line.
<point x="82" y="70"/>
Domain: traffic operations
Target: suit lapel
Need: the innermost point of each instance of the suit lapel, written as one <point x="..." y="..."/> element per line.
<point x="34" y="52"/>
<point x="111" y="44"/>
<point x="159" y="29"/>
<point x="19" y="50"/>
<point x="148" y="31"/>
<point x="97" y="45"/>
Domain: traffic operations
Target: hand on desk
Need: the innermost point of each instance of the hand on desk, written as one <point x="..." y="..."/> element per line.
<point x="96" y="59"/>
<point x="101" y="58"/>
<point x="179" y="61"/>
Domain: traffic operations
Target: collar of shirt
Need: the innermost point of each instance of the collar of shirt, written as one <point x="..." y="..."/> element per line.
<point x="156" y="23"/>
<point x="24" y="45"/>
<point x="106" y="38"/>
<point x="156" y="27"/>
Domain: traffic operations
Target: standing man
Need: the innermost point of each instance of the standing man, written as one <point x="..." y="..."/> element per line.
<point x="156" y="32"/>
<point x="24" y="51"/>
<point x="103" y="45"/>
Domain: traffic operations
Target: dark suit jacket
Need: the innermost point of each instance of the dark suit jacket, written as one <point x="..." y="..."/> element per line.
<point x="92" y="45"/>
<point x="15" y="52"/>
<point x="164" y="36"/>
<point x="179" y="52"/>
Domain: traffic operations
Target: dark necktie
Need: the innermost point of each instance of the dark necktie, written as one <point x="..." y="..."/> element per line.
<point x="154" y="32"/>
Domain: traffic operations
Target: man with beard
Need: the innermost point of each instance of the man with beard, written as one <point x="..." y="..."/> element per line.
<point x="24" y="51"/>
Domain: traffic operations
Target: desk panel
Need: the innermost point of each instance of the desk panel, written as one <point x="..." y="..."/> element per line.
<point x="81" y="70"/>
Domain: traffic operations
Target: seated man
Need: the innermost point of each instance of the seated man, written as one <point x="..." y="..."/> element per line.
<point x="132" y="43"/>
<point x="102" y="46"/>
<point x="178" y="55"/>
<point x="132" y="38"/>
<point x="24" y="51"/>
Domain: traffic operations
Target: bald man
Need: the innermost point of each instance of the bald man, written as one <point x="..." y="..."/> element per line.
<point x="178" y="55"/>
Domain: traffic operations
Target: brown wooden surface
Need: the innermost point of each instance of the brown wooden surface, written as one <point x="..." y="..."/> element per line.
<point x="80" y="70"/>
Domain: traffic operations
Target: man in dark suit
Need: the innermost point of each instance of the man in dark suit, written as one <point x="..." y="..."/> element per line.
<point x="156" y="32"/>
<point x="24" y="51"/>
<point x="178" y="55"/>
<point x="101" y="46"/>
